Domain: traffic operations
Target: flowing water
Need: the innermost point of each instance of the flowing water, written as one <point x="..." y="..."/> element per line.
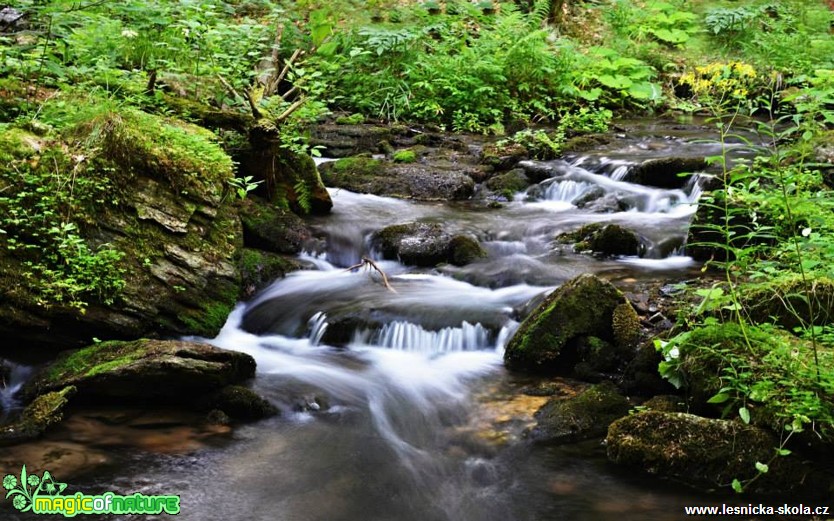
<point x="395" y="404"/>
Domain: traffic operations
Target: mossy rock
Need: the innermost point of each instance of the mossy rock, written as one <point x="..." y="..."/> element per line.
<point x="666" y="172"/>
<point x="581" y="307"/>
<point x="258" y="269"/>
<point x="151" y="189"/>
<point x="42" y="413"/>
<point x="665" y="403"/>
<point x="641" y="377"/>
<point x="586" y="415"/>
<point x="579" y="144"/>
<point x="784" y="301"/>
<point x="404" y="156"/>
<point x="626" y="325"/>
<point x="708" y="453"/>
<point x="239" y="403"/>
<point x="465" y="250"/>
<point x="18" y="144"/>
<point x="437" y="180"/>
<point x="270" y="228"/>
<point x="144" y="371"/>
<point x="509" y="183"/>
<point x="604" y="239"/>
<point x="505" y="156"/>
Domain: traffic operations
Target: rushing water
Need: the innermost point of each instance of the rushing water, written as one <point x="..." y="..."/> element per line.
<point x="401" y="420"/>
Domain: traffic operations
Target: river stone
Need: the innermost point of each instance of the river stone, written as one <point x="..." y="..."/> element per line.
<point x="437" y="180"/>
<point x="509" y="183"/>
<point x="152" y="371"/>
<point x="239" y="403"/>
<point x="604" y="239"/>
<point x="586" y="415"/>
<point x="44" y="411"/>
<point x="664" y="172"/>
<point x="708" y="453"/>
<point x="546" y="339"/>
<point x="425" y="244"/>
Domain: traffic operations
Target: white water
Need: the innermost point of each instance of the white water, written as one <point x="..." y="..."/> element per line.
<point x="11" y="384"/>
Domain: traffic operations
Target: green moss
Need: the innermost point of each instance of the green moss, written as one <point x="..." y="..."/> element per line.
<point x="465" y="250"/>
<point x="258" y="269"/>
<point x="93" y="360"/>
<point x="17" y="144"/>
<point x="405" y="156"/>
<point x="508" y="184"/>
<point x="357" y="166"/>
<point x="210" y="316"/>
<point x="626" y="325"/>
<point x="582" y="306"/>
<point x="353" y="119"/>
<point x="583" y="416"/>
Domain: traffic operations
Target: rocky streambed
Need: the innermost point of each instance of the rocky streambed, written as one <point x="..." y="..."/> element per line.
<point x="380" y="372"/>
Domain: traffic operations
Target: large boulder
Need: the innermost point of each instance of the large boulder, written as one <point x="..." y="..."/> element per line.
<point x="586" y="415"/>
<point x="547" y="339"/>
<point x="270" y="228"/>
<point x="144" y="371"/>
<point x="149" y="245"/>
<point x="709" y="453"/>
<point x="425" y="244"/>
<point x="438" y="180"/>
<point x="666" y="172"/>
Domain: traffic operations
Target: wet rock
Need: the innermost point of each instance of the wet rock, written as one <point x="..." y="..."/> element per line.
<point x="584" y="143"/>
<point x="708" y="453"/>
<point x="546" y="340"/>
<point x="258" y="269"/>
<point x="144" y="371"/>
<point x="604" y="239"/>
<point x="664" y="172"/>
<point x="239" y="403"/>
<point x="509" y="183"/>
<point x="465" y="250"/>
<point x="425" y="244"/>
<point x="665" y="403"/>
<point x="269" y="228"/>
<point x="45" y="411"/>
<point x="344" y="139"/>
<point x="586" y="415"/>
<point x="434" y="181"/>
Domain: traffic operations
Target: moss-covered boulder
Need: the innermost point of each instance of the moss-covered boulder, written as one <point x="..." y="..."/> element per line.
<point x="604" y="239"/>
<point x="547" y="338"/>
<point x="143" y="244"/>
<point x="785" y="301"/>
<point x="425" y="244"/>
<point x="586" y="415"/>
<point x="259" y="268"/>
<point x="45" y="411"/>
<point x="144" y="371"/>
<point x="666" y="172"/>
<point x="641" y="376"/>
<point x="289" y="179"/>
<point x="239" y="403"/>
<point x="509" y="183"/>
<point x="438" y="180"/>
<point x="270" y="228"/>
<point x="709" y="453"/>
<point x="504" y="156"/>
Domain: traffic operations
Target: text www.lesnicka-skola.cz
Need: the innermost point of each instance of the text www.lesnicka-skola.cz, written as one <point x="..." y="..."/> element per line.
<point x="757" y="510"/>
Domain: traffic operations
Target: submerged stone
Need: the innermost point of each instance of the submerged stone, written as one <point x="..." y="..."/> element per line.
<point x="586" y="415"/>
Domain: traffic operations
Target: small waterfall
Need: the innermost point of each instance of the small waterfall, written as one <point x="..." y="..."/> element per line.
<point x="12" y="378"/>
<point x="565" y="191"/>
<point x="317" y="325"/>
<point x="406" y="336"/>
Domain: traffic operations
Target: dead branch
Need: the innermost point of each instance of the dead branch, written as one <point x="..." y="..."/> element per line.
<point x="292" y="108"/>
<point x="368" y="263"/>
<point x="235" y="94"/>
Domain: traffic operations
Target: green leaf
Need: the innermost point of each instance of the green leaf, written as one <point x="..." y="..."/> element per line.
<point x="616" y="81"/>
<point x="645" y="91"/>
<point x="783" y="452"/>
<point x="761" y="467"/>
<point x="744" y="413"/>
<point x="737" y="486"/>
<point x="719" y="398"/>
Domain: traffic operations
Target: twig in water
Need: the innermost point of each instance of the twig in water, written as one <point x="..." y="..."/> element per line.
<point x="368" y="263"/>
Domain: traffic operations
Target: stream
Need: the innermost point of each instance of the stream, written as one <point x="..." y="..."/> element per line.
<point x="412" y="416"/>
